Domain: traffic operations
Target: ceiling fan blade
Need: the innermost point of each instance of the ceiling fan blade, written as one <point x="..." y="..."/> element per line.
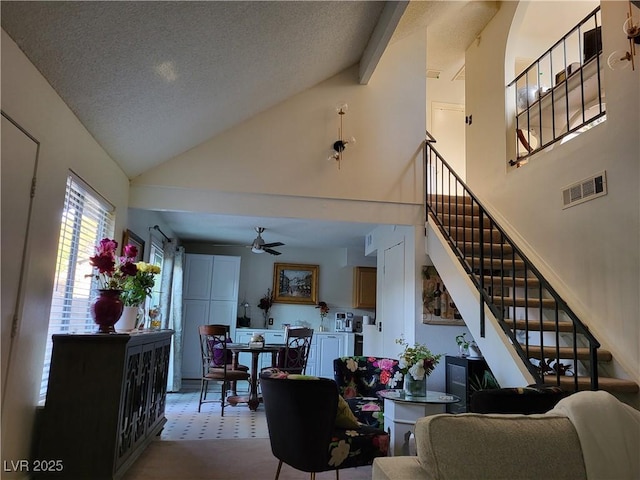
<point x="274" y="244"/>
<point x="272" y="252"/>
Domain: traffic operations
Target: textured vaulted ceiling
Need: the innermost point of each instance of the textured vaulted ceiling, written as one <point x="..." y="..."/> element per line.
<point x="150" y="80"/>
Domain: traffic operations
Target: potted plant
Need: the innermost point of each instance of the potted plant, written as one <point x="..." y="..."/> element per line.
<point x="265" y="304"/>
<point x="416" y="363"/>
<point x="113" y="272"/>
<point x="135" y="290"/>
<point x="463" y="344"/>
<point x="324" y="311"/>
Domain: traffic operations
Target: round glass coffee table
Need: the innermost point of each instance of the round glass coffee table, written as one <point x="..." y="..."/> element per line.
<point x="402" y="411"/>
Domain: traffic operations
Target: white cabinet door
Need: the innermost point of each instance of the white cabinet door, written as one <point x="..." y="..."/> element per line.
<point x="275" y="337"/>
<point x="312" y="361"/>
<point x="330" y="347"/>
<point x="197" y="276"/>
<point x="223" y="313"/>
<point x="244" y="337"/>
<point x="226" y="278"/>
<point x="195" y="313"/>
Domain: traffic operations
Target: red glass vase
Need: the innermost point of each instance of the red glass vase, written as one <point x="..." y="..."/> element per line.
<point x="106" y="310"/>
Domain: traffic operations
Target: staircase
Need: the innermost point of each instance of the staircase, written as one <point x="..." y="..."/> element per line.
<point x="555" y="346"/>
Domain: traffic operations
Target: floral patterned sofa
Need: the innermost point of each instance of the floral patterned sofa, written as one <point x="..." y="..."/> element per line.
<point x="359" y="379"/>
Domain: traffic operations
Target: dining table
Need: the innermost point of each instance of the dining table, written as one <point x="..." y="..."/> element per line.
<point x="254" y="399"/>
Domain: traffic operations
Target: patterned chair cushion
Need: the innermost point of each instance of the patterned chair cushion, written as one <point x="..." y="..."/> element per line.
<point x="359" y="379"/>
<point x="357" y="447"/>
<point x="216" y="347"/>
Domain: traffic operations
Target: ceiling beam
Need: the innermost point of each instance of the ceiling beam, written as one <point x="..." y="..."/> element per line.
<point x="382" y="33"/>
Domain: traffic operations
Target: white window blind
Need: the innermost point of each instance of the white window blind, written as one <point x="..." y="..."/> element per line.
<point x="86" y="219"/>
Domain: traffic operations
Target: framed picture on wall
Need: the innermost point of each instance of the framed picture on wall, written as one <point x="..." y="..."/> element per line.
<point x="295" y="283"/>
<point x="449" y="314"/>
<point x="130" y="238"/>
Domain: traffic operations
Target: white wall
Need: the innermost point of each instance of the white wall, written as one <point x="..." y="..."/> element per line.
<point x="64" y="145"/>
<point x="589" y="252"/>
<point x="335" y="283"/>
<point x="141" y="223"/>
<point x="275" y="164"/>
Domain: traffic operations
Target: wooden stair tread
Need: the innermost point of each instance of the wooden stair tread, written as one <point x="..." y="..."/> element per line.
<point x="498" y="249"/>
<point x="535" y="351"/>
<point x="520" y="302"/>
<point x="463" y="220"/>
<point x="534" y="325"/>
<point x="498" y="264"/>
<point x="509" y="281"/>
<point x="608" y="384"/>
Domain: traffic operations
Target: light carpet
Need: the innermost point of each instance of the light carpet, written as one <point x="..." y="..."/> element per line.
<point x="231" y="459"/>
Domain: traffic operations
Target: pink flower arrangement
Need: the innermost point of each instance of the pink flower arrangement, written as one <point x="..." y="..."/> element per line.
<point x="113" y="270"/>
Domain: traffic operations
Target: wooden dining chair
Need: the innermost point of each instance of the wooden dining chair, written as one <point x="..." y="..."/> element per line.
<point x="293" y="356"/>
<point x="215" y="364"/>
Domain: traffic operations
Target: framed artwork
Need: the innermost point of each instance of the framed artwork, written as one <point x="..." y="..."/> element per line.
<point x="130" y="238"/>
<point x="295" y="283"/>
<point x="449" y="314"/>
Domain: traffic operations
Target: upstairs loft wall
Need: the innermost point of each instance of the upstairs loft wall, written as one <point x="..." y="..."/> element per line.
<point x="275" y="164"/>
<point x="589" y="252"/>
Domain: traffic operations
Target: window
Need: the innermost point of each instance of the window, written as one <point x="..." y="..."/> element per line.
<point x="86" y="219"/>
<point x="156" y="257"/>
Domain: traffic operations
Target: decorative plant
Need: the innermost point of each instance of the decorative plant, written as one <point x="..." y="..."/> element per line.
<point x="552" y="367"/>
<point x="462" y="341"/>
<point x="113" y="271"/>
<point x="138" y="287"/>
<point x="265" y="303"/>
<point x="417" y="360"/>
<point x="486" y="382"/>
<point x="324" y="310"/>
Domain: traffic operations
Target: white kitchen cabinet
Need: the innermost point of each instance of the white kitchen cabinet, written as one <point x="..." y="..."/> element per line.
<point x="193" y="313"/>
<point x="211" y="277"/>
<point x="270" y="337"/>
<point x="210" y="296"/>
<point x="225" y="278"/>
<point x="312" y="359"/>
<point x="197" y="277"/>
<point x="326" y="347"/>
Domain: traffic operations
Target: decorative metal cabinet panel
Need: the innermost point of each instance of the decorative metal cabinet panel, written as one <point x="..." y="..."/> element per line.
<point x="105" y="401"/>
<point x="458" y="372"/>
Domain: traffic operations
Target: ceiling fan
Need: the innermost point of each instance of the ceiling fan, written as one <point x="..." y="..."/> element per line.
<point x="258" y="245"/>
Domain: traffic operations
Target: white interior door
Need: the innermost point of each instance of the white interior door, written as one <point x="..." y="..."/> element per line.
<point x="393" y="301"/>
<point x="19" y="163"/>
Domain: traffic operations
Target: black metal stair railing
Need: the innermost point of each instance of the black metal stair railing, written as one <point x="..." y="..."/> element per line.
<point x="496" y="267"/>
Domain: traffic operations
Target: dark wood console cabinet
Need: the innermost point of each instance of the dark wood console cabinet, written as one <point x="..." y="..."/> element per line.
<point x="458" y="372"/>
<point x="105" y="402"/>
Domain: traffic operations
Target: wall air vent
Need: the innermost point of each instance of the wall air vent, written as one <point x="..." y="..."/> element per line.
<point x="587" y="189"/>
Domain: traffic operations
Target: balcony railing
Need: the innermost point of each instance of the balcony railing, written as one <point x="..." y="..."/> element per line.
<point x="562" y="92"/>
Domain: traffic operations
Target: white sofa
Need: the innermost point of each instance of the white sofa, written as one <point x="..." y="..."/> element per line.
<point x="587" y="435"/>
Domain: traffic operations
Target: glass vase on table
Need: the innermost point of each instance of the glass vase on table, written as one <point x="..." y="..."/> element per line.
<point x="155" y="318"/>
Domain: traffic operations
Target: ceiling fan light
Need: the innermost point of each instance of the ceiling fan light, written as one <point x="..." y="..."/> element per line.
<point x="257" y="250"/>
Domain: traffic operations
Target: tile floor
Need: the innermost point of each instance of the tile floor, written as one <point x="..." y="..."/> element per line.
<point x="185" y="423"/>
